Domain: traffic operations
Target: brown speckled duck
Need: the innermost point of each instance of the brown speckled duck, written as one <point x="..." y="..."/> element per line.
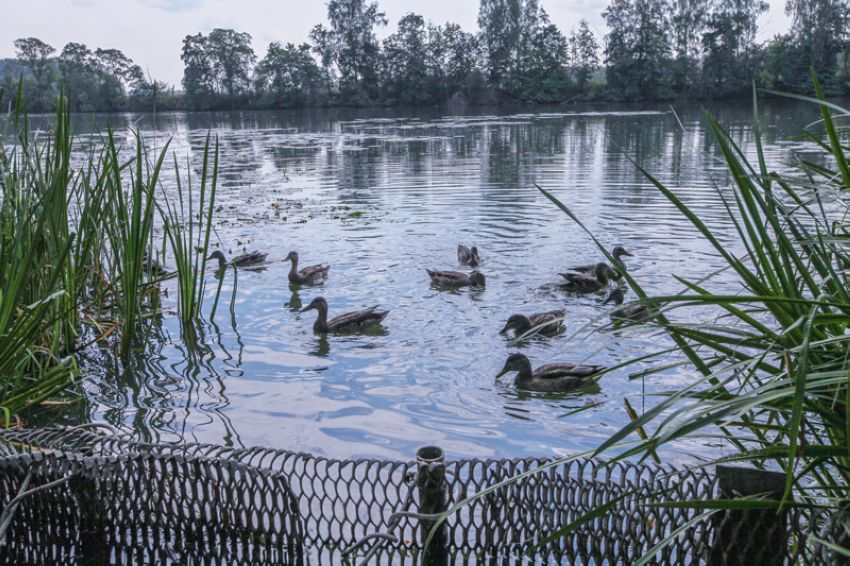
<point x="522" y="324"/>
<point x="313" y="275"/>
<point x="348" y="322"/>
<point x="468" y="256"/>
<point x="456" y="278"/>
<point x="244" y="260"/>
<point x="635" y="312"/>
<point x="549" y="378"/>
<point x="618" y="252"/>
<point x="587" y="282"/>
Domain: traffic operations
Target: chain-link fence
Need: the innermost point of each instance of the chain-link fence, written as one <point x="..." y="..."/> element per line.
<point x="88" y="495"/>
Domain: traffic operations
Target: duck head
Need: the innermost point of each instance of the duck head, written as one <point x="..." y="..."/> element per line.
<point x="617" y="297"/>
<point x="515" y="362"/>
<point x="319" y="303"/>
<point x="620" y="251"/>
<point x="219" y="256"/>
<point x="517" y="322"/>
<point x="477" y="278"/>
<point x="475" y="259"/>
<point x="292" y="256"/>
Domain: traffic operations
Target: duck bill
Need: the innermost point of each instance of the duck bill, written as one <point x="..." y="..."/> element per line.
<point x="505" y="329"/>
<point x="501" y="373"/>
<point x="624" y="252"/>
<point x="307" y="308"/>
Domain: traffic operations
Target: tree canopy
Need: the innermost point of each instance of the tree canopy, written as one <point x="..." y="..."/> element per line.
<point x="653" y="49"/>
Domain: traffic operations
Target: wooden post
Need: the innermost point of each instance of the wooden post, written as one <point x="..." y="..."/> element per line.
<point x="433" y="499"/>
<point x="759" y="536"/>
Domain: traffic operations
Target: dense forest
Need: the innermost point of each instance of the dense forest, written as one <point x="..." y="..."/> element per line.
<point x="653" y="49"/>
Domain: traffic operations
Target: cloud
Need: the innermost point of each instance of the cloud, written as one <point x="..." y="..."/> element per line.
<point x="171" y="5"/>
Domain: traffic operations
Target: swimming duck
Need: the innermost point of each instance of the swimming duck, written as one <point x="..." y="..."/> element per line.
<point x="549" y="377"/>
<point x="587" y="282"/>
<point x="313" y="275"/>
<point x="628" y="312"/>
<point x="250" y="258"/>
<point x="456" y="278"/>
<point x="467" y="256"/>
<point x="348" y="322"/>
<point x="152" y="266"/>
<point x="522" y="324"/>
<point x="618" y="252"/>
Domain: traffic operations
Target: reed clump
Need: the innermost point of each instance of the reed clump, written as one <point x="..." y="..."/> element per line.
<point x="77" y="231"/>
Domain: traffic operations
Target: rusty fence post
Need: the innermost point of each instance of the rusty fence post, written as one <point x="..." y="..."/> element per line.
<point x="433" y="499"/>
<point x="746" y="537"/>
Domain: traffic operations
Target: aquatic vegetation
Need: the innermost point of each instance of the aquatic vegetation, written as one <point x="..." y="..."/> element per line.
<point x="77" y="244"/>
<point x="190" y="238"/>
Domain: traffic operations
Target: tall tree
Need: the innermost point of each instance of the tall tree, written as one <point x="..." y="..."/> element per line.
<point x="542" y="75"/>
<point x="731" y="54"/>
<point x="232" y="61"/>
<point x="584" y="55"/>
<point x="507" y="28"/>
<point x="638" y="48"/>
<point x="198" y="73"/>
<point x="40" y="90"/>
<point x="687" y="24"/>
<point x="822" y="31"/>
<point x="405" y="62"/>
<point x="350" y="45"/>
<point x="217" y="67"/>
<point x="288" y="76"/>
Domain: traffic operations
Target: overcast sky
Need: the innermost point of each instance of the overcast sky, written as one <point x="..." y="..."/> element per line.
<point x="151" y="31"/>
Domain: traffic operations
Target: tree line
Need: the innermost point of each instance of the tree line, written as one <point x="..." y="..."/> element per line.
<point x="653" y="49"/>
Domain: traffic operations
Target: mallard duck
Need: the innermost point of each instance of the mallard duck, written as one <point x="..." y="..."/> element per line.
<point x="628" y="312"/>
<point x="250" y="258"/>
<point x="587" y="282"/>
<point x="456" y="278"/>
<point x="618" y="252"/>
<point x="348" y="322"/>
<point x="467" y="256"/>
<point x="152" y="266"/>
<point x="550" y="377"/>
<point x="313" y="275"/>
<point x="522" y="324"/>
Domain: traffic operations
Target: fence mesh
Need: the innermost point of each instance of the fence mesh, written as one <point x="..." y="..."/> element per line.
<point x="96" y="497"/>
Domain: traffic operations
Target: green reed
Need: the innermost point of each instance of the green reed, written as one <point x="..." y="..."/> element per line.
<point x="190" y="239"/>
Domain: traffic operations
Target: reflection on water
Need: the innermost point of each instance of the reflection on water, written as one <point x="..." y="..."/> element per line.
<point x="381" y="198"/>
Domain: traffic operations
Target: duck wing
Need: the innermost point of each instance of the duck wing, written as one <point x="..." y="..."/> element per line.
<point x="357" y="319"/>
<point x="555" y="318"/>
<point x="249" y="258"/>
<point x="314" y="271"/>
<point x="448" y="277"/>
<point x="554" y="371"/>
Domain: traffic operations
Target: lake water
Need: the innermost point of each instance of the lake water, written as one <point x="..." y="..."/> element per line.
<point x="380" y="196"/>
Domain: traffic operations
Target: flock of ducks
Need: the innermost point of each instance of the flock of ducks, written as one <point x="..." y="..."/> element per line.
<point x="556" y="377"/>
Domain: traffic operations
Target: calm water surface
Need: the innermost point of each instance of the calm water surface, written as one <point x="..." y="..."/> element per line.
<point x="420" y="183"/>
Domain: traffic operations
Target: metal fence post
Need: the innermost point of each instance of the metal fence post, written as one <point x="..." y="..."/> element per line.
<point x="756" y="536"/>
<point x="433" y="498"/>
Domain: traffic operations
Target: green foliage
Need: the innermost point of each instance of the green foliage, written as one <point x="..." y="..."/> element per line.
<point x="188" y="225"/>
<point x="349" y="47"/>
<point x="638" y="49"/>
<point x="288" y="76"/>
<point x="218" y="68"/>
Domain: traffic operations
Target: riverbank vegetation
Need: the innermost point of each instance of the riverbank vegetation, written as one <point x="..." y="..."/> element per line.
<point x="651" y="50"/>
<point x="78" y="242"/>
